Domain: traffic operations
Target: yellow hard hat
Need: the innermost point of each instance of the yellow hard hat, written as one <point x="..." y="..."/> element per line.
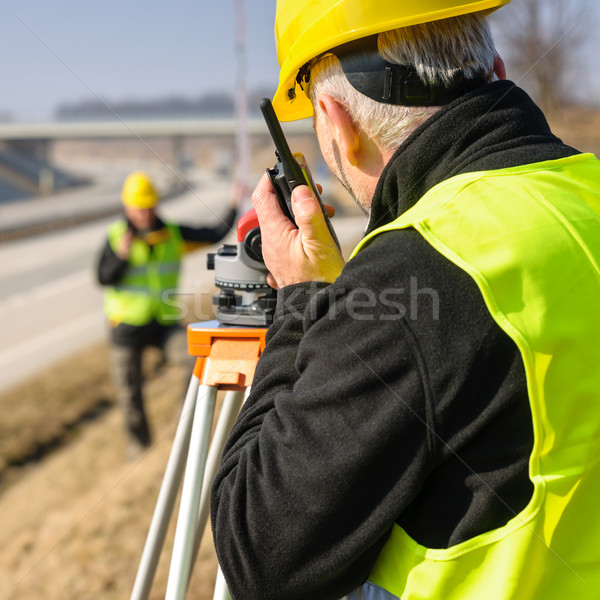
<point x="138" y="191"/>
<point x="304" y="29"/>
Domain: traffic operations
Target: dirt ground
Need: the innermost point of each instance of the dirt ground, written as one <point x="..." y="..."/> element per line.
<point x="74" y="512"/>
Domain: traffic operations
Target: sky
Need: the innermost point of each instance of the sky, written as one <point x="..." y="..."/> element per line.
<point x="57" y="51"/>
<point x="64" y="51"/>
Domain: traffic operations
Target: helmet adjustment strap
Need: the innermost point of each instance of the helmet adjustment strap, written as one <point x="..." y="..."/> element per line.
<point x="389" y="83"/>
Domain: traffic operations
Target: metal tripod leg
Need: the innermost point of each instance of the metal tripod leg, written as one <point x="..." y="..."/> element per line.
<point x="183" y="546"/>
<point x="181" y="560"/>
<point x="201" y="468"/>
<point x="166" y="497"/>
<point x="229" y="357"/>
<point x="231" y="407"/>
<point x="221" y="591"/>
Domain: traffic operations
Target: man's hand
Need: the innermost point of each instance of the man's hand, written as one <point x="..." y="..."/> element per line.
<point x="292" y="255"/>
<point x="125" y="249"/>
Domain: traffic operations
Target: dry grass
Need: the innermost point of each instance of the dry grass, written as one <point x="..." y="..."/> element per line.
<point x="73" y="523"/>
<point x="40" y="413"/>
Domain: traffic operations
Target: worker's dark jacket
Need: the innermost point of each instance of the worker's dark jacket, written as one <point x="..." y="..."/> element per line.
<point x="390" y="396"/>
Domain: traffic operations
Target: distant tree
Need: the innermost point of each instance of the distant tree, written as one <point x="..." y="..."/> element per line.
<point x="544" y="41"/>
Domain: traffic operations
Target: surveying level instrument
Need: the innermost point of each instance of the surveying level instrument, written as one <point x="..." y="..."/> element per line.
<point x="245" y="297"/>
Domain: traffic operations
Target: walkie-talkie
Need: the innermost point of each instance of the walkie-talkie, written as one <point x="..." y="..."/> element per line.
<point x="290" y="171"/>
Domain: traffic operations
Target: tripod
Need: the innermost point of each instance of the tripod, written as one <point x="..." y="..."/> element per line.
<point x="226" y="360"/>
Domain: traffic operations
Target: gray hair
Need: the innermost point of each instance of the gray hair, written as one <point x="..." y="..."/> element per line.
<point x="437" y="50"/>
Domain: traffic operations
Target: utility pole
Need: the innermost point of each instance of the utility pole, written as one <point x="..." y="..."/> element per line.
<point x="241" y="186"/>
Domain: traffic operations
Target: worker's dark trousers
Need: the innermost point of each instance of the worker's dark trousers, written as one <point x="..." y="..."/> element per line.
<point x="127" y="377"/>
<point x="127" y="374"/>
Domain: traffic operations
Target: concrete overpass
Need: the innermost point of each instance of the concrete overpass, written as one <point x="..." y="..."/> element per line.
<point x="25" y="148"/>
<point x="12" y="132"/>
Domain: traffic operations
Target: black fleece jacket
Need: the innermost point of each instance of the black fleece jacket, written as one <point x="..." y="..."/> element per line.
<point x="390" y="396"/>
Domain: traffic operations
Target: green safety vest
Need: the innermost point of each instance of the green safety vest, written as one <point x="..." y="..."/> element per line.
<point x="530" y="238"/>
<point x="145" y="292"/>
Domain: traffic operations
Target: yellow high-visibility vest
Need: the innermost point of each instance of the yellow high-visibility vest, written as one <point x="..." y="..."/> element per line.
<point x="147" y="289"/>
<point x="530" y="238"/>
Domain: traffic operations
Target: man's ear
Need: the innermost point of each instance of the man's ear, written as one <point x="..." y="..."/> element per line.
<point x="341" y="127"/>
<point x="499" y="67"/>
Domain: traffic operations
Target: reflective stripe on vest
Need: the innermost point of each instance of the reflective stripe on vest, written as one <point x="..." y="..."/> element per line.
<point x="530" y="238"/>
<point x="144" y="292"/>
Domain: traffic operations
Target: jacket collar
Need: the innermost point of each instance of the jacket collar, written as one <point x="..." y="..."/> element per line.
<point x="496" y="126"/>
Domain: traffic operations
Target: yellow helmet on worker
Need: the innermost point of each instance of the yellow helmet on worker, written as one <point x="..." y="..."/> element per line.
<point x="305" y="29"/>
<point x="139" y="191"/>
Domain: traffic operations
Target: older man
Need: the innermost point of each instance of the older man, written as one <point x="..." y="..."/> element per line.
<point x="430" y="427"/>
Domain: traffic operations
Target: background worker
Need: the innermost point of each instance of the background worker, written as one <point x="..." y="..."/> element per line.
<point x="140" y="265"/>
<point x="430" y="426"/>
